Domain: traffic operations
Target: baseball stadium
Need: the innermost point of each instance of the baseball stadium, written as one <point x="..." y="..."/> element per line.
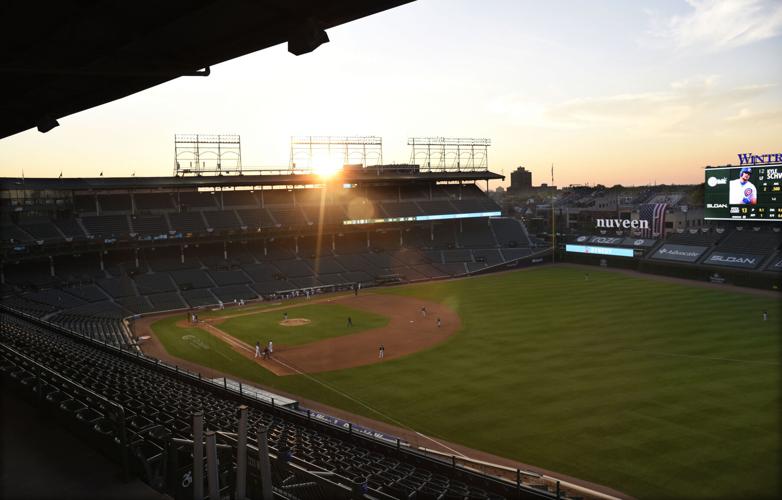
<point x="341" y="327"/>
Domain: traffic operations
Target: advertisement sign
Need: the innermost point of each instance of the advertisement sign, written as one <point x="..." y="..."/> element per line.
<point x="612" y="251"/>
<point x="775" y="266"/>
<point x="420" y="218"/>
<point x="638" y="242"/>
<point x="605" y="240"/>
<point x="729" y="259"/>
<point x="679" y="253"/>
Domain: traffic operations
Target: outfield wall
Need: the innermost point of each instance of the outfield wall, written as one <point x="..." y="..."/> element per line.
<point x="753" y="279"/>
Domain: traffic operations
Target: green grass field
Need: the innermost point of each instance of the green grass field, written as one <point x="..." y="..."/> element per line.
<point x="326" y="321"/>
<point x="657" y="389"/>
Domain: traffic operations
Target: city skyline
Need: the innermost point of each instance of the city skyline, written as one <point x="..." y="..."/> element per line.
<point x="611" y="93"/>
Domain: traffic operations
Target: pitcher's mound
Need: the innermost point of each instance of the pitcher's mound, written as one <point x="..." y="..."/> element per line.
<point x="294" y="322"/>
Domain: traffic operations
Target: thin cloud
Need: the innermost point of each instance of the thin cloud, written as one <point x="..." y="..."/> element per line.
<point x="718" y="24"/>
<point x="691" y="105"/>
<point x="746" y="115"/>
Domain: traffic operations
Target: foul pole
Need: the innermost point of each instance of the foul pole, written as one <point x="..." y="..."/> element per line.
<point x="553" y="225"/>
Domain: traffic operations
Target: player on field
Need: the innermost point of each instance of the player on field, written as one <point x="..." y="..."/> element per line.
<point x="381" y="351"/>
<point x="257" y="349"/>
<point x="743" y="192"/>
<point x="350" y="321"/>
<point x="270" y="347"/>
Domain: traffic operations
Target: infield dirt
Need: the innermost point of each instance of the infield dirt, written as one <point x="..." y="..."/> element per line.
<point x="409" y="330"/>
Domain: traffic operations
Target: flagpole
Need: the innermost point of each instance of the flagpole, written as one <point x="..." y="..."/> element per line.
<point x="553" y="225"/>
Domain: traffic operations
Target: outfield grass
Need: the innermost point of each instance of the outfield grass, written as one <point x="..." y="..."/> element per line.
<point x="326" y="321"/>
<point x="654" y="388"/>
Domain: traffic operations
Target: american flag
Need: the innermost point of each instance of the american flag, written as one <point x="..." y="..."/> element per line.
<point x="654" y="214"/>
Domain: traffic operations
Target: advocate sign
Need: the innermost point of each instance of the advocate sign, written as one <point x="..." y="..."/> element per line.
<point x="741" y="260"/>
<point x="679" y="253"/>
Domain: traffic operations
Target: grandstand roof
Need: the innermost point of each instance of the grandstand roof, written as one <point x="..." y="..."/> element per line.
<point x="228" y="181"/>
<point x="62" y="57"/>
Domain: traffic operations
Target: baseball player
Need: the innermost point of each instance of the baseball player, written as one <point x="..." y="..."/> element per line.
<point x="285" y="316"/>
<point x="270" y="347"/>
<point x="381" y="351"/>
<point x="423" y="311"/>
<point x="350" y="321"/>
<point x="257" y="349"/>
<point x="743" y="192"/>
<point x="439" y="323"/>
<point x="765" y="315"/>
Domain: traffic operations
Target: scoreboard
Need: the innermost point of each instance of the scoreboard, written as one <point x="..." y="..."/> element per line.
<point x="749" y="192"/>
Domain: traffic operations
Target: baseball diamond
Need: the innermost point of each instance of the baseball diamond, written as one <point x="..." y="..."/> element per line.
<point x="598" y="357"/>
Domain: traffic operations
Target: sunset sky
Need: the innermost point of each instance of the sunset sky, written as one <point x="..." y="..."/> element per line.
<point x="608" y="91"/>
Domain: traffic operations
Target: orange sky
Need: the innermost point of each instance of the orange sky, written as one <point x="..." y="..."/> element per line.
<point x="608" y="92"/>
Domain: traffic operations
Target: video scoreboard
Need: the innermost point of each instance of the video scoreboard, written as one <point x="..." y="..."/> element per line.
<point x="747" y="192"/>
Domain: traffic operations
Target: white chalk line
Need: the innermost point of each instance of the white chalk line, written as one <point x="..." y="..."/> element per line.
<point x="351" y="398"/>
<point x="244" y="346"/>
<point x="695" y="356"/>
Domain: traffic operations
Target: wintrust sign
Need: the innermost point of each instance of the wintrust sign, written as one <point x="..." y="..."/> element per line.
<point x="622" y="224"/>
<point x="753" y="159"/>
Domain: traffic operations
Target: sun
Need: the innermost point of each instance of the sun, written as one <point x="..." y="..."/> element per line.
<point x="327" y="166"/>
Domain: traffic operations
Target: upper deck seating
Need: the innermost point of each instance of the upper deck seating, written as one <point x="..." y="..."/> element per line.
<point x="106" y="226"/>
<point x="475" y="233"/>
<point x="153" y="201"/>
<point x="191" y="199"/>
<point x="84" y="203"/>
<point x="70" y="228"/>
<point x="222" y="220"/>
<point x="187" y="222"/>
<point x="239" y="199"/>
<point x="149" y="225"/>
<point x="115" y="203"/>
<point x="509" y="233"/>
<point x="255" y="218"/>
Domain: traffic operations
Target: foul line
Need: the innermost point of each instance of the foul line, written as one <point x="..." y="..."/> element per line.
<point x="703" y="357"/>
<point x="348" y="396"/>
<point x="334" y="389"/>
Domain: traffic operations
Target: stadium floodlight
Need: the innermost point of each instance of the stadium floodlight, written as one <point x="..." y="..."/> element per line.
<point x="46" y="123"/>
<point x="308" y="37"/>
